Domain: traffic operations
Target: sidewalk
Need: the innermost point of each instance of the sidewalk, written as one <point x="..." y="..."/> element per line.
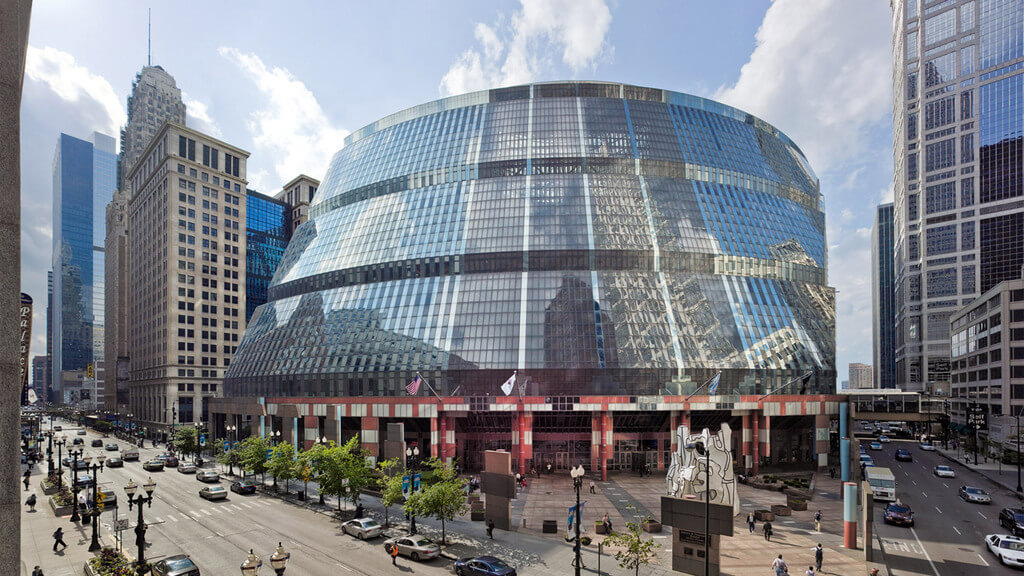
<point x="1003" y="474"/>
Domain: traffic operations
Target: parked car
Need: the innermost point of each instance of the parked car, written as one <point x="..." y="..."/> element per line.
<point x="972" y="494"/>
<point x="187" y="468"/>
<point x="81" y="432"/>
<point x="904" y="455"/>
<point x="363" y="528"/>
<point x="213" y="492"/>
<point x="1009" y="549"/>
<point x="114" y="462"/>
<point x="884" y="439"/>
<point x="129" y="454"/>
<point x="899" y="514"/>
<point x="243" y="486"/>
<point x="927" y="446"/>
<point x="112" y="447"/>
<point x="153" y="465"/>
<point x="943" y="471"/>
<point x="876" y="445"/>
<point x="483" y="566"/>
<point x="96" y="443"/>
<point x="83" y="479"/>
<point x="207" y="476"/>
<point x="1013" y="520"/>
<point x="171" y="461"/>
<point x="177" y="565"/>
<point x="415" y="547"/>
<point x="78" y="442"/>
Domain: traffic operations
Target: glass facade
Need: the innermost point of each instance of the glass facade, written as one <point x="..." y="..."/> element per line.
<point x="599" y="238"/>
<point x="883" y="309"/>
<point x="84" y="178"/>
<point x="268" y="229"/>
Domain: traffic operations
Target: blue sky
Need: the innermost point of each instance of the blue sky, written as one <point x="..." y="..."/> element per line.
<point x="288" y="80"/>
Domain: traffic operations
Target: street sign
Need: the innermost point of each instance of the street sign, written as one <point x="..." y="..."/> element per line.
<point x="268" y="453"/>
<point x="977" y="418"/>
<point x="120" y="524"/>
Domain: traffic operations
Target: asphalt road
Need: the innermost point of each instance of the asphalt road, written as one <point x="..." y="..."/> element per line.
<point x="948" y="534"/>
<point x="218" y="535"/>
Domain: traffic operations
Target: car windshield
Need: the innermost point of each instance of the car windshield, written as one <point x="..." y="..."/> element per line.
<point x="422" y="541"/>
<point x="1011" y="545"/>
<point x="178" y="563"/>
<point x="899" y="509"/>
<point x="1018" y="517"/>
<point x="975" y="491"/>
<point x="943" y="468"/>
<point x="369" y="523"/>
<point x="498" y="564"/>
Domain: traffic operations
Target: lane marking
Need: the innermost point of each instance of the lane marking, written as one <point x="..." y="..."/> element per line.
<point x="946" y="485"/>
<point x="924" y="494"/>
<point x="937" y="508"/>
<point x="172" y="518"/>
<point x="982" y="515"/>
<point x="915" y="483"/>
<point x="193" y="513"/>
<point x="957" y="531"/>
<point x="926" y="555"/>
<point x="205" y="511"/>
<point x="345" y="567"/>
<point x="246" y="505"/>
<point x="982" y="559"/>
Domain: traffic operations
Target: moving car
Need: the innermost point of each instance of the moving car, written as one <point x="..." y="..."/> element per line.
<point x="943" y="471"/>
<point x="867" y="460"/>
<point x="187" y="468"/>
<point x="243" y="486"/>
<point x="114" y="462"/>
<point x="927" y="446"/>
<point x="884" y="439"/>
<point x="83" y="479"/>
<point x="483" y="566"/>
<point x="904" y="455"/>
<point x="153" y="465"/>
<point x="130" y="454"/>
<point x="207" y="476"/>
<point x="1012" y="520"/>
<point x="876" y="445"/>
<point x="177" y="565"/>
<point x="972" y="494"/>
<point x="899" y="514"/>
<point x="96" y="443"/>
<point x="363" y="528"/>
<point x="81" y="432"/>
<point x="415" y="547"/>
<point x="171" y="461"/>
<point x="78" y="442"/>
<point x="213" y="492"/>
<point x="1009" y="549"/>
<point x="57" y="428"/>
<point x="112" y="447"/>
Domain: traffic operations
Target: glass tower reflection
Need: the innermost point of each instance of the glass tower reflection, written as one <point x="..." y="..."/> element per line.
<point x="596" y="237"/>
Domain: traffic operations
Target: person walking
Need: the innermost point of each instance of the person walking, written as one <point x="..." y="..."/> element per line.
<point x="394" y="555"/>
<point x="26" y="480"/>
<point x="780" y="567"/>
<point x="549" y="468"/>
<point x="751" y="522"/>
<point x="592" y="486"/>
<point x="359" y="510"/>
<point x="767" y="529"/>
<point x="832" y="472"/>
<point x="58" y="538"/>
<point x="490" y="529"/>
<point x="819" y="556"/>
<point x="607" y="523"/>
<point x="810" y="571"/>
<point x="37" y="571"/>
<point x="31" y="502"/>
<point x="575" y="551"/>
<point x="817" y="521"/>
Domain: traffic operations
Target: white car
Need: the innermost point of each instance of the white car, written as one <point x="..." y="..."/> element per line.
<point x="1009" y="549"/>
<point x="876" y="445"/>
<point x="884" y="439"/>
<point x="213" y="492"/>
<point x="945" y="472"/>
<point x="363" y="528"/>
<point x="927" y="446"/>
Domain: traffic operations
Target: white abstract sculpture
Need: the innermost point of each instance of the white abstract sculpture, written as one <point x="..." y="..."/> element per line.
<point x="686" y="473"/>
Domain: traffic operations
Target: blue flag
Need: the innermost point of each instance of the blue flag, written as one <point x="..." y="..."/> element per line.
<point x="714" y="384"/>
<point x="572" y="514"/>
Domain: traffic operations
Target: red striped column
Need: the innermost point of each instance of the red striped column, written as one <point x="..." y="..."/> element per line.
<point x="436" y="427"/>
<point x="595" y="441"/>
<point x="746" y="439"/>
<point x="310" y="431"/>
<point x="765" y="435"/>
<point x="607" y="443"/>
<point x="821" y="444"/>
<point x="755" y="444"/>
<point x="525" y="440"/>
<point x="850" y="515"/>
<point x="369" y="436"/>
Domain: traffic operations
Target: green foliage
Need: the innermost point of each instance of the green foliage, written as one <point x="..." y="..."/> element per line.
<point x="252" y="454"/>
<point x="103" y="426"/>
<point x="343" y="470"/>
<point x="186" y="439"/>
<point x="635" y="551"/>
<point x="390" y="484"/>
<point x="444" y="499"/>
<point x="282" y="462"/>
<point x="112" y="563"/>
<point x="356" y="469"/>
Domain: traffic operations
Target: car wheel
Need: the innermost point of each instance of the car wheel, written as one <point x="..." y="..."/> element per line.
<point x="460" y="572"/>
<point x="415" y="557"/>
<point x="362" y="536"/>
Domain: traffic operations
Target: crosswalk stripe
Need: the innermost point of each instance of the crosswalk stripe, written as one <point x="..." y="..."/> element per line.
<point x="235" y="506"/>
<point x="193" y="513"/>
<point x="172" y="518"/>
<point x="205" y="511"/>
<point x="246" y="505"/>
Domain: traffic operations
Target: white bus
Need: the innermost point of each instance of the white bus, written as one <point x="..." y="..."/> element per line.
<point x="883" y="483"/>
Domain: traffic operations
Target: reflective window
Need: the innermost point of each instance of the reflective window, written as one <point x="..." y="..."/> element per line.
<point x="1000" y="129"/>
<point x="940" y="70"/>
<point x="1001" y="37"/>
<point x="940" y="27"/>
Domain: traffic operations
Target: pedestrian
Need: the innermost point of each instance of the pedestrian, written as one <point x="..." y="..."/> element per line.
<point x="819" y="556"/>
<point x="549" y="468"/>
<point x="832" y="472"/>
<point x="810" y="571"/>
<point x="58" y="538"/>
<point x="607" y="522"/>
<point x="31" y="502"/>
<point x="817" y="521"/>
<point x="592" y="487"/>
<point x="533" y="471"/>
<point x="779" y="565"/>
<point x="359" y="510"/>
<point x="394" y="555"/>
<point x="751" y="522"/>
<point x="767" y="529"/>
<point x="576" y="553"/>
<point x="37" y="571"/>
<point x="490" y="529"/>
<point x="26" y="481"/>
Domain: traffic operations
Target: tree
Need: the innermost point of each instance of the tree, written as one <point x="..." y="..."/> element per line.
<point x="253" y="455"/>
<point x="390" y="484"/>
<point x="186" y="439"/>
<point x="231" y="457"/>
<point x="355" y="469"/>
<point x="282" y="464"/>
<point x="315" y="460"/>
<point x="444" y="499"/>
<point x="635" y="551"/>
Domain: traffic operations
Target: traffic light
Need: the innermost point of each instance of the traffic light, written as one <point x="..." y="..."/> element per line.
<point x="89" y="371"/>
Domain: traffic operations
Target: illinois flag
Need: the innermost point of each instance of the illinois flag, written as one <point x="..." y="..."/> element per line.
<point x="509" y="384"/>
<point x="413" y="387"/>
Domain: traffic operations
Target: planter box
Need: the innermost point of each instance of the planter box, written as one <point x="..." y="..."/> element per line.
<point x="652" y="527"/>
<point x="89" y="570"/>
<point x="550" y="527"/>
<point x="797" y="505"/>
<point x="60" y="510"/>
<point x="598" y="527"/>
<point x="477" y="515"/>
<point x="780" y="510"/>
<point x="764" y="516"/>
<point x="47" y="490"/>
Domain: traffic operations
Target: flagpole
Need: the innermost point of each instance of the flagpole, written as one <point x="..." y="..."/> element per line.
<point x="425" y="381"/>
<point x="702" y="386"/>
<point x="804" y="375"/>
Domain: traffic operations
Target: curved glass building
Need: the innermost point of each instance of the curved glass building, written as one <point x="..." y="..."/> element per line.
<point x="594" y="238"/>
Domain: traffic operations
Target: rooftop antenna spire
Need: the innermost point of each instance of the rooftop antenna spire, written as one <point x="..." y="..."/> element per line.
<point x="149" y="39"/>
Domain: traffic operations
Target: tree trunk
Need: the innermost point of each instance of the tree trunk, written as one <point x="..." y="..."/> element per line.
<point x="443" y="542"/>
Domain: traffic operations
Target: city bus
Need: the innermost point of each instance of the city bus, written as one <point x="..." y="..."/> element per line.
<point x="883" y="483"/>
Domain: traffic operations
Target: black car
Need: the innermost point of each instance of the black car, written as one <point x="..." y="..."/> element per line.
<point x="243" y="487"/>
<point x="97" y="443"/>
<point x="1012" y="520"/>
<point x="899" y="514"/>
<point x="483" y="566"/>
<point x="904" y="455"/>
<point x="78" y="442"/>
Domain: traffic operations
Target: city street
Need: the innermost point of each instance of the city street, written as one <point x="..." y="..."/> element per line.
<point x="948" y="534"/>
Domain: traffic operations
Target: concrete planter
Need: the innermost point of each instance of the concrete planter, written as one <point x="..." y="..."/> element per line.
<point x="89" y="571"/>
<point x="477" y="515"/>
<point x="652" y="527"/>
<point x="598" y="527"/>
<point x="47" y="490"/>
<point x="796" y="504"/>
<point x="764" y="516"/>
<point x="550" y="527"/>
<point x="780" y="510"/>
<point x="60" y="510"/>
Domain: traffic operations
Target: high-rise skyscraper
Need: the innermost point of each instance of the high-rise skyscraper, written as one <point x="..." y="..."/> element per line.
<point x="959" y="219"/>
<point x="84" y="178"/>
<point x="267" y="232"/>
<point x="188" y="307"/>
<point x="883" y="298"/>
<point x="155" y="98"/>
<point x="298" y="194"/>
<point x="860" y="376"/>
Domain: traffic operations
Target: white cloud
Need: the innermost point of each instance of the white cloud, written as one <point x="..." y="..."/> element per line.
<point x="291" y="129"/>
<point x="197" y="115"/>
<point x="519" y="51"/>
<point x="74" y="84"/>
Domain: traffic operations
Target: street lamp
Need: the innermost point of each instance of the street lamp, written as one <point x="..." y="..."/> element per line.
<point x="577" y="483"/>
<point x="60" y="442"/>
<point x="278" y="559"/>
<point x="231" y="433"/>
<point x="411" y="453"/>
<point x="95" y="468"/>
<point x="703" y="450"/>
<point x="74" y="454"/>
<point x="140" y="526"/>
<point x="252" y="564"/>
<point x="319" y="488"/>
<point x="49" y="451"/>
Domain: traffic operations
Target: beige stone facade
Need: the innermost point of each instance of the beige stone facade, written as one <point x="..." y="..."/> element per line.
<point x="298" y="193"/>
<point x="186" y="297"/>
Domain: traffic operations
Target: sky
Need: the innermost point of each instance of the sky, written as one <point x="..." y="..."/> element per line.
<point x="287" y="81"/>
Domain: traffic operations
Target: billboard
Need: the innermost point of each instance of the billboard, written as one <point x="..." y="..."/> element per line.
<point x="26" y="340"/>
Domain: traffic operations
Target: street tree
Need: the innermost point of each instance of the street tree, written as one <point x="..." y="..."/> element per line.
<point x="282" y="464"/>
<point x="355" y="469"/>
<point x="230" y="457"/>
<point x="315" y="460"/>
<point x="634" y="550"/>
<point x="186" y="440"/>
<point x="390" y="484"/>
<point x="252" y="453"/>
<point x="444" y="499"/>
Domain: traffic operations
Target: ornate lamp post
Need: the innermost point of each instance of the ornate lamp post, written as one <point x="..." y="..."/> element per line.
<point x="49" y="450"/>
<point x="140" y="526"/>
<point x="703" y="451"/>
<point x="278" y="559"/>
<point x="577" y="484"/>
<point x="60" y="442"/>
<point x="230" y="433"/>
<point x="252" y="564"/>
<point x="96" y="505"/>
<point x="321" y="441"/>
<point x="74" y="455"/>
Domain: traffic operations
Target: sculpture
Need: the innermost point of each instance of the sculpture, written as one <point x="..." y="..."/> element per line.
<point x="686" y="478"/>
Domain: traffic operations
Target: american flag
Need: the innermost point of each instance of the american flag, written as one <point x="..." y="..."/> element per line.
<point x="413" y="387"/>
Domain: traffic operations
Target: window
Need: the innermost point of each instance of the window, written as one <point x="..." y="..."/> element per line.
<point x="939" y="155"/>
<point x="912" y="86"/>
<point x="941" y="112"/>
<point x="912" y="52"/>
<point x="912" y="208"/>
<point x="967" y="148"/>
<point x="940" y="70"/>
<point x="939" y="28"/>
<point x="967" y="192"/>
<point x="967" y="235"/>
<point x="967" y="104"/>
<point x="912" y="126"/>
<point x="966" y="17"/>
<point x="940" y="197"/>
<point x="940" y="240"/>
<point x="967" y="60"/>
<point x="912" y="169"/>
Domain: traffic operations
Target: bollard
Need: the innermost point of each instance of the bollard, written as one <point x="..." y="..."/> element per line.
<point x="844" y="459"/>
<point x="850" y="515"/>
